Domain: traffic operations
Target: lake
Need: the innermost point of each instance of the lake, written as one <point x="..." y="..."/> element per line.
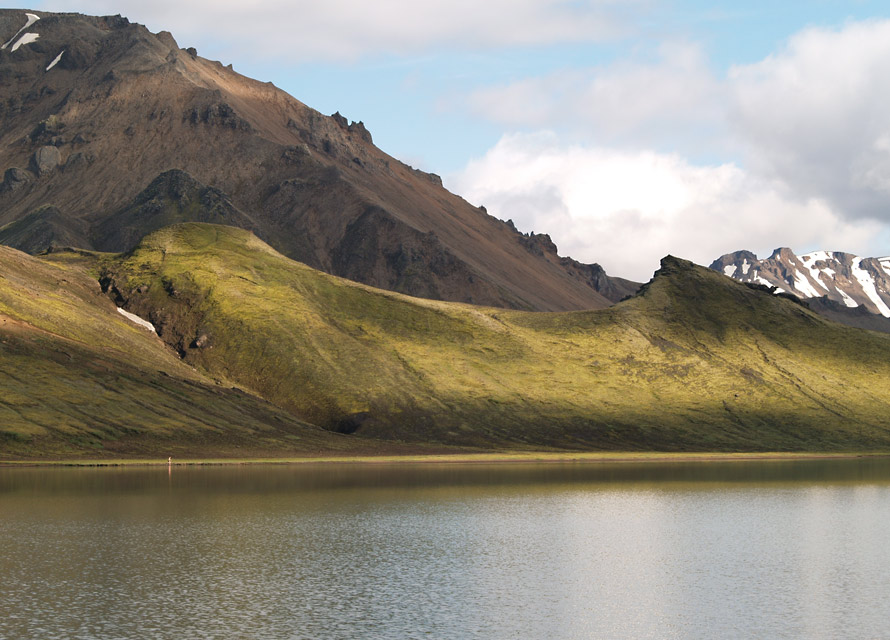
<point x="705" y="550"/>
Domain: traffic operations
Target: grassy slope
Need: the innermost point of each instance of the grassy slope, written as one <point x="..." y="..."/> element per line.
<point x="697" y="362"/>
<point x="76" y="376"/>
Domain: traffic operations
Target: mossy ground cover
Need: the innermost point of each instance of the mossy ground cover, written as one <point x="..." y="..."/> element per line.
<point x="695" y="362"/>
<point x="76" y="376"/>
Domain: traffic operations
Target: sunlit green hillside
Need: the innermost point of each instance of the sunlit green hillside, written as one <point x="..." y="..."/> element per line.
<point x="695" y="362"/>
<point x="77" y="377"/>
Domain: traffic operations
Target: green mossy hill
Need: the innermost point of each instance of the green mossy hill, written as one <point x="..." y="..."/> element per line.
<point x="77" y="377"/>
<point x="694" y="362"/>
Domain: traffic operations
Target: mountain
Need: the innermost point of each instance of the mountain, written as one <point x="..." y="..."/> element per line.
<point x="695" y="361"/>
<point x="110" y="132"/>
<point x="842" y="286"/>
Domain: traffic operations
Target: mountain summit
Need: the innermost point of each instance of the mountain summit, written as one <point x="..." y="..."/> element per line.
<point x="110" y="132"/>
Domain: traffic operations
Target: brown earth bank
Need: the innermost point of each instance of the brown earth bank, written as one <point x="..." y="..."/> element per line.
<point x="128" y="133"/>
<point x="227" y="450"/>
<point x="410" y="455"/>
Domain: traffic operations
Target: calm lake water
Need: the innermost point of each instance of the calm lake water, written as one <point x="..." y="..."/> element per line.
<point x="708" y="550"/>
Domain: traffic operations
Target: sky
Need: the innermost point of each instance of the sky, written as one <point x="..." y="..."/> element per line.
<point x="625" y="129"/>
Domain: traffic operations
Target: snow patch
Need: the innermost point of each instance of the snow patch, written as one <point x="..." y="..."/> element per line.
<point x="55" y="61"/>
<point x="885" y="264"/>
<point x="745" y="267"/>
<point x="809" y="261"/>
<point x="868" y="285"/>
<point x="31" y="19"/>
<point x="804" y="286"/>
<point x="729" y="270"/>
<point x="134" y="318"/>
<point x="850" y="302"/>
<point x="761" y="280"/>
<point x="816" y="256"/>
<point x="816" y="274"/>
<point x="28" y="38"/>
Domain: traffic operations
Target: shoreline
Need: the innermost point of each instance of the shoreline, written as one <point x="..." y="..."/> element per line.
<point x="459" y="458"/>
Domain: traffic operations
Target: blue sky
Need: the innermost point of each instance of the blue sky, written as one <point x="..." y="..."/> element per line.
<point x="412" y="103"/>
<point x="625" y="129"/>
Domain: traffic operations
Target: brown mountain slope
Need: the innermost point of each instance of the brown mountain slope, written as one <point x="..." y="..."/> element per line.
<point x="122" y="106"/>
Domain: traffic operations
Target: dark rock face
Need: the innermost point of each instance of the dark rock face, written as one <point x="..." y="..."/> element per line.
<point x="612" y="288"/>
<point x="339" y="120"/>
<point x="538" y="243"/>
<point x="124" y="106"/>
<point x="615" y="289"/>
<point x="172" y="197"/>
<point x="389" y="255"/>
<point x="219" y="115"/>
<point x="43" y="230"/>
<point x="359" y="129"/>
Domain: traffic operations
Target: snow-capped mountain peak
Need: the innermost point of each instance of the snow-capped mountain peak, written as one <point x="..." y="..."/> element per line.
<point x="843" y="277"/>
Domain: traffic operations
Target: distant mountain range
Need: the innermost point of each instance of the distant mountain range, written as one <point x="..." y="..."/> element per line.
<point x="845" y="287"/>
<point x="109" y="132"/>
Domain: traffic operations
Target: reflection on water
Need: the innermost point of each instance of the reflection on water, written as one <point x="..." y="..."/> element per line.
<point x="772" y="549"/>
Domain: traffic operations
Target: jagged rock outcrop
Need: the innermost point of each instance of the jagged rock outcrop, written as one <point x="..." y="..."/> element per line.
<point x="614" y="288"/>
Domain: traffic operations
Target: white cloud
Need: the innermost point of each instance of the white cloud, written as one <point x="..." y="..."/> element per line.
<point x="348" y="29"/>
<point x="626" y="210"/>
<point x="815" y="115"/>
<point x="809" y="126"/>
<point x="675" y="100"/>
